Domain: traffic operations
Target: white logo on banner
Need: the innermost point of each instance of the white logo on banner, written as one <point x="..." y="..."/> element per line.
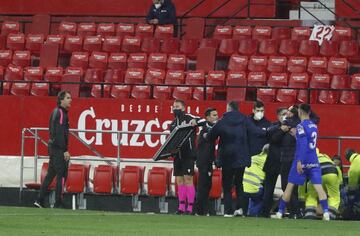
<point x="321" y="32"/>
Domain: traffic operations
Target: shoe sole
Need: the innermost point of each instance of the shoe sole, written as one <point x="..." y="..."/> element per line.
<point x="37" y="205"/>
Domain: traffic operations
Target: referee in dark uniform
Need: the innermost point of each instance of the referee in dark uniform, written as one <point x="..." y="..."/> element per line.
<point x="58" y="150"/>
<point x="185" y="159"/>
<point x="204" y="163"/>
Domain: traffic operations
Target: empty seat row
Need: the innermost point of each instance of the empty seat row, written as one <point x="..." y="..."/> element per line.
<point x="267" y="32"/>
<point x="112" y="29"/>
<point x="333" y="65"/>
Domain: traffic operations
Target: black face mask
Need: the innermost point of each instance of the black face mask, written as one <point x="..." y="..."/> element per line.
<point x="178" y="112"/>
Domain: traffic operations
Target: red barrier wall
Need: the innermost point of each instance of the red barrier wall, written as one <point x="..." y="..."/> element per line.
<point x="135" y="115"/>
<point x="259" y="8"/>
<point x="343" y="10"/>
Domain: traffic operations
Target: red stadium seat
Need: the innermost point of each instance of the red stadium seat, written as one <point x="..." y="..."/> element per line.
<point x="79" y="59"/>
<point x="300" y="33"/>
<point x="21" y="58"/>
<point x="277" y="64"/>
<point x="266" y="95"/>
<point x="93" y="75"/>
<point x="73" y="43"/>
<point x="6" y="88"/>
<point x="355" y="81"/>
<point x="71" y="80"/>
<point x="74" y="71"/>
<point x="328" y="97"/>
<point x="195" y="77"/>
<point x="111" y="44"/>
<point x="257" y="79"/>
<point x="329" y="48"/>
<point x="175" y="77"/>
<point x="223" y="32"/>
<point x="131" y="180"/>
<point x="97" y="88"/>
<point x="289" y="47"/>
<point x="155" y="76"/>
<point x="317" y="65"/>
<point x="5" y="57"/>
<point x="189" y="46"/>
<point x="39" y="89"/>
<point x="261" y="32"/>
<point x="86" y="29"/>
<point x="98" y="60"/>
<point x="150" y="45"/>
<point x="176" y="62"/>
<point x="92" y="43"/>
<point x="158" y="182"/>
<point x="131" y="44"/>
<point x="124" y="29"/>
<point x="209" y="43"/>
<point x="105" y="29"/>
<point x="309" y="48"/>
<point x="198" y="93"/>
<point x="67" y="28"/>
<point x="137" y="60"/>
<point x="103" y="179"/>
<point x="170" y="46"/>
<point x="114" y="76"/>
<point x="280" y="33"/>
<point x="235" y="78"/>
<point x="157" y="61"/>
<point x="297" y="64"/>
<point x="144" y="30"/>
<point x="37" y="186"/>
<point x="20" y="89"/>
<point x="278" y="80"/>
<point x="183" y="93"/>
<point x="162" y="92"/>
<point x="10" y="27"/>
<point x="238" y="63"/>
<point x="33" y="73"/>
<point x="299" y="80"/>
<point x="15" y="41"/>
<point x="13" y="73"/>
<point x="56" y="39"/>
<point x="303" y="96"/>
<point x="216" y="78"/>
<point x="286" y="95"/>
<point x="268" y="47"/>
<point x="34" y="42"/>
<point x="320" y="81"/>
<point x="117" y="61"/>
<point x="337" y="66"/>
<point x="120" y="91"/>
<point x="340" y="82"/>
<point x="242" y="32"/>
<point x="349" y="49"/>
<point x="349" y="97"/>
<point x="1" y="73"/>
<point x="216" y="186"/>
<point x="257" y="63"/>
<point x="228" y="47"/>
<point x="75" y="181"/>
<point x="54" y="74"/>
<point x="140" y="92"/>
<point x="134" y="76"/>
<point x="248" y="47"/>
<point x="164" y="31"/>
<point x="342" y="33"/>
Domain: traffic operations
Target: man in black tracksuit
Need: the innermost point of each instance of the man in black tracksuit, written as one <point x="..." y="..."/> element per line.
<point x="184" y="159"/>
<point x="162" y="12"/>
<point x="58" y="149"/>
<point x="204" y="163"/>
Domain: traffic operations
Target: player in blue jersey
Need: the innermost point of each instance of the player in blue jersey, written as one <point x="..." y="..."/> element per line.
<point x="306" y="164"/>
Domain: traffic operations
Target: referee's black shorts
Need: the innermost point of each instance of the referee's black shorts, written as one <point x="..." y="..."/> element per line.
<point x="184" y="166"/>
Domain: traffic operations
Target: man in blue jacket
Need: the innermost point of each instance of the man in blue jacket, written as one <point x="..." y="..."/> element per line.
<point x="233" y="154"/>
<point x="162" y="12"/>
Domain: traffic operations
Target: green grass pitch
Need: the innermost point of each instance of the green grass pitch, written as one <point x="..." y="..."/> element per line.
<point x="31" y="221"/>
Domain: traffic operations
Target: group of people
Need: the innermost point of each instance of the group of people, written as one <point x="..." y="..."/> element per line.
<point x="252" y="153"/>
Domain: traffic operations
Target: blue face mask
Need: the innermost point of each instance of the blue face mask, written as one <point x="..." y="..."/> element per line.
<point x="178" y="112"/>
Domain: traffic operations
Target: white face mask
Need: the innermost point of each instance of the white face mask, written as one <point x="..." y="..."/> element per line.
<point x="157" y="5"/>
<point x="258" y="115"/>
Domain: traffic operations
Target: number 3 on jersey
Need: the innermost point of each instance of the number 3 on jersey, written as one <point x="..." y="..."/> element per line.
<point x="312" y="144"/>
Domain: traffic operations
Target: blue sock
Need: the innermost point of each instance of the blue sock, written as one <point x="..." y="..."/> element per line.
<point x="324" y="205"/>
<point x="282" y="206"/>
